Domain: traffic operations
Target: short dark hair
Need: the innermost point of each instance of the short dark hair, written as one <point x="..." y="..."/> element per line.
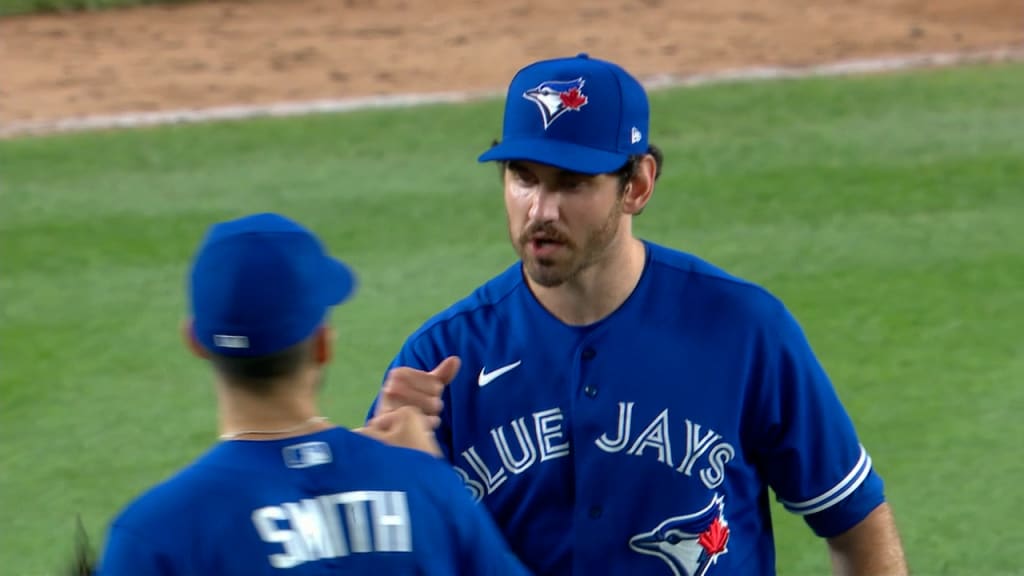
<point x="258" y="374"/>
<point x="628" y="169"/>
<point x="84" y="561"/>
<point x="625" y="173"/>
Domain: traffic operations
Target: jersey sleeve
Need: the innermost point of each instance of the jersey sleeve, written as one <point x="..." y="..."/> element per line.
<point x="126" y="554"/>
<point x="482" y="548"/>
<point x="809" y="449"/>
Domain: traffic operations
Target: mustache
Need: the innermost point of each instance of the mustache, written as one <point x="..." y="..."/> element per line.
<point x="543" y="231"/>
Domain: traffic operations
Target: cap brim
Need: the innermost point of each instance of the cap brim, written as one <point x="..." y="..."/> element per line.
<point x="564" y="155"/>
<point x="340" y="282"/>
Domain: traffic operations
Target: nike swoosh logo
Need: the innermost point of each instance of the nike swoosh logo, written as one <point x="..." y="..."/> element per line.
<point x="486" y="378"/>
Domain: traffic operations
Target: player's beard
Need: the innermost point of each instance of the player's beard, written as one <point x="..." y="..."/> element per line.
<point x="569" y="262"/>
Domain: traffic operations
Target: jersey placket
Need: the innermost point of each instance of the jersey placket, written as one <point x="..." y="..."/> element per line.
<point x="591" y="496"/>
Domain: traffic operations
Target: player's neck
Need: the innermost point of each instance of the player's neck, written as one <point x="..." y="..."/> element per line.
<point x="289" y="408"/>
<point x="600" y="289"/>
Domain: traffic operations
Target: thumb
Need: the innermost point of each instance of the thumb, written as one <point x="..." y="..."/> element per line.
<point x="447" y="369"/>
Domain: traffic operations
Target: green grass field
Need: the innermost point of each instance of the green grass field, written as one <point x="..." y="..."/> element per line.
<point x="13" y="7"/>
<point x="885" y="210"/>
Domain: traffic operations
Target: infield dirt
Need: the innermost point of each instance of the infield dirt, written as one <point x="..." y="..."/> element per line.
<point x="208" y="54"/>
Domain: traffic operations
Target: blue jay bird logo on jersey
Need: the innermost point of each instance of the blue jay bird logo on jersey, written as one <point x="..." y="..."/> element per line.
<point x="689" y="544"/>
<point x="555" y="98"/>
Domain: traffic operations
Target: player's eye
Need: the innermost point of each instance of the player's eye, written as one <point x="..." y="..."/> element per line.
<point x="521" y="175"/>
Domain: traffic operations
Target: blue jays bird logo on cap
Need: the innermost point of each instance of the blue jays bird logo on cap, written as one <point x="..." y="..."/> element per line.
<point x="555" y="98"/>
<point x="689" y="544"/>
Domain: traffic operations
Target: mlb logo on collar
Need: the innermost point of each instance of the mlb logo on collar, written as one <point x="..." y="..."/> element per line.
<point x="577" y="112"/>
<point x="307" y="454"/>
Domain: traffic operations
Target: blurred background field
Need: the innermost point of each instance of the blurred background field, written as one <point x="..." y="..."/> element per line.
<point x="884" y="209"/>
<point x="10" y="7"/>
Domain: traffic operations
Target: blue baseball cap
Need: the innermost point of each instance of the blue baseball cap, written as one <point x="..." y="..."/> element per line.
<point x="580" y="114"/>
<point x="262" y="283"/>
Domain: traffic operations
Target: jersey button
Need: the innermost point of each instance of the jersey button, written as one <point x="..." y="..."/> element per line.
<point x="595" y="512"/>
<point x="590" y="391"/>
<point x="589" y="353"/>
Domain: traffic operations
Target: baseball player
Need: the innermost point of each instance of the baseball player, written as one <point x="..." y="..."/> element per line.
<point x="284" y="491"/>
<point x="619" y="406"/>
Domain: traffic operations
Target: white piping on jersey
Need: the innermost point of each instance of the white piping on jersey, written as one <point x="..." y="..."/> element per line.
<point x="837" y="493"/>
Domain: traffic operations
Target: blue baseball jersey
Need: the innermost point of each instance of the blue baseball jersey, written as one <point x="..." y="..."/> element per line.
<point x="647" y="442"/>
<point x="332" y="502"/>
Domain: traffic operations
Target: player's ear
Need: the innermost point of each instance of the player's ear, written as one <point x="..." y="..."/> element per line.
<point x="188" y="334"/>
<point x="323" y="344"/>
<point x="640" y="186"/>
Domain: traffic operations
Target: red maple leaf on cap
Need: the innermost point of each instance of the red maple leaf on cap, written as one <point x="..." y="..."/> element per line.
<point x="713" y="539"/>
<point x="573" y="99"/>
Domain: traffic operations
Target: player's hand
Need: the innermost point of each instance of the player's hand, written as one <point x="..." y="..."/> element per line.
<point x="406" y="386"/>
<point x="404" y="426"/>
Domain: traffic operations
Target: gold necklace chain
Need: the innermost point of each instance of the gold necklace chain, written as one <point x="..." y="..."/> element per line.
<point x="299" y="426"/>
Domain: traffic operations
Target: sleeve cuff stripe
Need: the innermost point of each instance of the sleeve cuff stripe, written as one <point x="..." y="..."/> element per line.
<point x="837" y="493"/>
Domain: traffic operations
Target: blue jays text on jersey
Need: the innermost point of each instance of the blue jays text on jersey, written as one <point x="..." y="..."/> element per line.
<point x="324" y="503"/>
<point x="645" y="443"/>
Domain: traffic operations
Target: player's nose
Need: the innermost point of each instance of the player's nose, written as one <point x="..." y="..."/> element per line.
<point x="545" y="205"/>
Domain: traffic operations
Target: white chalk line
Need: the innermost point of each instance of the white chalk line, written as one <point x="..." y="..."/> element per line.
<point x="301" y="108"/>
